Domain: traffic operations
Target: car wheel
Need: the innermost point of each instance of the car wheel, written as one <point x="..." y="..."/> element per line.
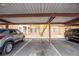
<point x="67" y="38"/>
<point x="7" y="48"/>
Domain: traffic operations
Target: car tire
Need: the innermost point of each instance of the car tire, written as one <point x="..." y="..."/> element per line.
<point x="67" y="38"/>
<point x="7" y="48"/>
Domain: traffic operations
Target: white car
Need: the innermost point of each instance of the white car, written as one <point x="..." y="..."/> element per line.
<point x="8" y="37"/>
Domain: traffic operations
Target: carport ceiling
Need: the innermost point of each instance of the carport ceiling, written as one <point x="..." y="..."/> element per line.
<point x="21" y="8"/>
<point x="38" y="12"/>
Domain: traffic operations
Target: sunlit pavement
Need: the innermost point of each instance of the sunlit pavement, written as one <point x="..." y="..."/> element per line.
<point x="38" y="47"/>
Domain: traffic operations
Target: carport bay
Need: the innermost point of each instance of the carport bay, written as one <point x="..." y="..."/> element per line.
<point x="54" y="24"/>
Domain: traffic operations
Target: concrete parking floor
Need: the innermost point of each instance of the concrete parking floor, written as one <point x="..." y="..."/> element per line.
<point x="38" y="47"/>
<point x="66" y="48"/>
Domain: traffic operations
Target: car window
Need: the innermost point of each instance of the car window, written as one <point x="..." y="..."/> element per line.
<point x="69" y="31"/>
<point x="76" y="31"/>
<point x="18" y="32"/>
<point x="13" y="32"/>
<point x="2" y="30"/>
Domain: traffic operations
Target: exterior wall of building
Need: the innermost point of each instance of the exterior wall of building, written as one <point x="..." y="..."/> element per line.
<point x="13" y="26"/>
<point x="57" y="30"/>
<point x="2" y="27"/>
<point x="34" y="31"/>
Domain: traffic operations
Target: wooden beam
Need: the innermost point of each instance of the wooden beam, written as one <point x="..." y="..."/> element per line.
<point x="58" y="23"/>
<point x="51" y="18"/>
<point x="49" y="23"/>
<point x="40" y="15"/>
<point x="7" y="26"/>
<point x="72" y="25"/>
<point x="39" y="23"/>
<point x="5" y="21"/>
<point x="27" y="23"/>
<point x="73" y="21"/>
<point x="49" y="33"/>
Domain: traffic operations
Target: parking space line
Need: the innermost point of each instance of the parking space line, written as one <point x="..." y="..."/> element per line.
<point x="22" y="47"/>
<point x="55" y="49"/>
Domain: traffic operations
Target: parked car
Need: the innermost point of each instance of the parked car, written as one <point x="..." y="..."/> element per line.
<point x="72" y="34"/>
<point x="8" y="37"/>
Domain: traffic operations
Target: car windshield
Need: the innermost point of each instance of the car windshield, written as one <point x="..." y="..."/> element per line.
<point x="76" y="30"/>
<point x="2" y="30"/>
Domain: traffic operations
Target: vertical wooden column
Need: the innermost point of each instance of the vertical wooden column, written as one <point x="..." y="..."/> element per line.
<point x="49" y="33"/>
<point x="49" y="22"/>
<point x="7" y="26"/>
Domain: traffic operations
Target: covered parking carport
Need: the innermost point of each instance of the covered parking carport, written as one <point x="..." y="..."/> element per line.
<point x="45" y="13"/>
